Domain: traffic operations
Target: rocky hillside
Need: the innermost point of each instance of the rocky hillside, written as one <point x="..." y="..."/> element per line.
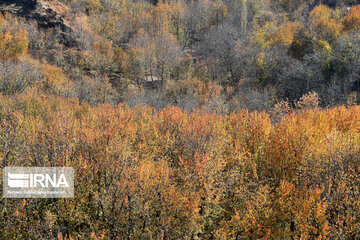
<point x="43" y="14"/>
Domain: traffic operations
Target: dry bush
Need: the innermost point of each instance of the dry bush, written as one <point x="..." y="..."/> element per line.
<point x="308" y="101"/>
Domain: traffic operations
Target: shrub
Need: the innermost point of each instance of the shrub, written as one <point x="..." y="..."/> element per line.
<point x="13" y="45"/>
<point x="16" y="77"/>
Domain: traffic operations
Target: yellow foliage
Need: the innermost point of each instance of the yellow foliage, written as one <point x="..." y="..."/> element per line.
<point x="13" y="45"/>
<point x="162" y="16"/>
<point x="55" y="81"/>
<point x="262" y="34"/>
<point x="93" y="5"/>
<point x="3" y="22"/>
<point x="324" y="46"/>
<point x="321" y="13"/>
<point x="326" y="22"/>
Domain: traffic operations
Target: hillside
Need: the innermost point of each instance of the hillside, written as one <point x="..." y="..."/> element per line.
<point x="206" y="119"/>
<point x="211" y="55"/>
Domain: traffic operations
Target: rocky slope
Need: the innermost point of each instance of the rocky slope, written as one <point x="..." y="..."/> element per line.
<point x="45" y="16"/>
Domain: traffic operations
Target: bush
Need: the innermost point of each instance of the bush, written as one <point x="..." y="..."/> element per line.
<point x="16" y="77"/>
<point x="13" y="45"/>
<point x="55" y="81"/>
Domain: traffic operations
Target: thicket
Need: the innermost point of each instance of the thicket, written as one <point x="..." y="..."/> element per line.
<point x="143" y="173"/>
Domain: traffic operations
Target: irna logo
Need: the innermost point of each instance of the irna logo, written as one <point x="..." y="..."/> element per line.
<point x="38" y="182"/>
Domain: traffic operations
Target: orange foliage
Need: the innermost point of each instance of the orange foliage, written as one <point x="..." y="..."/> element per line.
<point x="326" y="21"/>
<point x="13" y="45"/>
<point x="104" y="47"/>
<point x="352" y="19"/>
<point x="285" y="34"/>
<point x="205" y="91"/>
<point x="13" y="42"/>
<point x="171" y="173"/>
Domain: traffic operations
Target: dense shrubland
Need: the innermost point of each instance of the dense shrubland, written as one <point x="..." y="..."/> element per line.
<point x="143" y="173"/>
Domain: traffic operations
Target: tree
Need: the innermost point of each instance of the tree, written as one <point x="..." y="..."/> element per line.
<point x="352" y="20"/>
<point x="216" y="49"/>
<point x="325" y="22"/>
<point x="160" y="54"/>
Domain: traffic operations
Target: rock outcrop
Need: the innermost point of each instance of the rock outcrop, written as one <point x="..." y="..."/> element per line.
<point x="45" y="17"/>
